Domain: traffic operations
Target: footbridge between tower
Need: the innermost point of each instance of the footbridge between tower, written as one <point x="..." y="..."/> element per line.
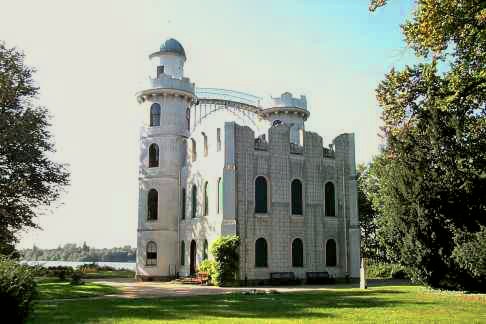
<point x="211" y="100"/>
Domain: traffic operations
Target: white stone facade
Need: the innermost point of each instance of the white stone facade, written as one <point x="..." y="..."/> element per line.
<point x="216" y="143"/>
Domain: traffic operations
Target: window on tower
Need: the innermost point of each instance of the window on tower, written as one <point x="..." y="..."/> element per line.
<point x="218" y="139"/>
<point x="205" y="139"/>
<point x="152" y="204"/>
<point x="151" y="258"/>
<point x="329" y="199"/>
<point x="296" y="189"/>
<point x="261" y="194"/>
<point x="194" y="201"/>
<point x="220" y="195"/>
<point x="160" y="70"/>
<point x="206" y="199"/>
<point x="193" y="150"/>
<point x="153" y="155"/>
<point x="155" y="115"/>
<point x="183" y="253"/>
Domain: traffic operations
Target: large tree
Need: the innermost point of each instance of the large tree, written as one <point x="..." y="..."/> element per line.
<point x="29" y="179"/>
<point x="432" y="175"/>
<point x="370" y="247"/>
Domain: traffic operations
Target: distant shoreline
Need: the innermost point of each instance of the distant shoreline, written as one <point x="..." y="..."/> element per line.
<point x="74" y="264"/>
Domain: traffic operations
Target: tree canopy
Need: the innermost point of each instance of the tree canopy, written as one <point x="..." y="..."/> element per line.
<point x="432" y="174"/>
<point x="29" y="179"/>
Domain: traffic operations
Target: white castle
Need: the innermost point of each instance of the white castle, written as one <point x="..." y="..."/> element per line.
<point x="216" y="162"/>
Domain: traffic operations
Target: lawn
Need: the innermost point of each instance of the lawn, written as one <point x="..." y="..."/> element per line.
<point x="396" y="304"/>
<point x="55" y="289"/>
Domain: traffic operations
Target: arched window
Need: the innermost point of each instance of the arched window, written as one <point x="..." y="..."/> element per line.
<point x="205" y="139"/>
<point x="188" y="118"/>
<point x="218" y="139"/>
<point x="194" y="201"/>
<point x="330" y="199"/>
<point x="155" y="115"/>
<point x="297" y="253"/>
<point x="205" y="250"/>
<point x="261" y="253"/>
<point x="296" y="189"/>
<point x="193" y="150"/>
<point x="220" y="195"/>
<point x="151" y="258"/>
<point x="261" y="201"/>
<point x="153" y="155"/>
<point x="331" y="253"/>
<point x="183" y="253"/>
<point x="206" y="199"/>
<point x="183" y="204"/>
<point x="152" y="204"/>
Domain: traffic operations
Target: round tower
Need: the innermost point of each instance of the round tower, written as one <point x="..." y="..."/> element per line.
<point x="290" y="111"/>
<point x="165" y="127"/>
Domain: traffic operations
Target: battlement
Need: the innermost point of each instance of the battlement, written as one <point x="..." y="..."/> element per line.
<point x="286" y="100"/>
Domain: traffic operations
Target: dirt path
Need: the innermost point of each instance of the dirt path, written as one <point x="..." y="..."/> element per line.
<point x="130" y="288"/>
<point x="135" y="289"/>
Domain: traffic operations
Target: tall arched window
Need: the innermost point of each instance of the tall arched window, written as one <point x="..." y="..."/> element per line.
<point x="205" y="250"/>
<point x="261" y="200"/>
<point x="183" y="204"/>
<point x="297" y="253"/>
<point x="206" y="199"/>
<point x="153" y="155"/>
<point x="188" y="118"/>
<point x="296" y="189"/>
<point x="155" y="115"/>
<point x="220" y="195"/>
<point x="218" y="139"/>
<point x="183" y="253"/>
<point x="193" y="150"/>
<point x="194" y="201"/>
<point x="151" y="254"/>
<point x="205" y="142"/>
<point x="330" y="199"/>
<point x="261" y="253"/>
<point x="152" y="204"/>
<point x="331" y="253"/>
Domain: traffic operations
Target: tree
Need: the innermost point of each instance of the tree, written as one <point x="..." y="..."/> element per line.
<point x="367" y="214"/>
<point x="225" y="252"/>
<point x="28" y="178"/>
<point x="432" y="175"/>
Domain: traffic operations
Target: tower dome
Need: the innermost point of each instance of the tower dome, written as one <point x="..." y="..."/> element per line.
<point x="172" y="45"/>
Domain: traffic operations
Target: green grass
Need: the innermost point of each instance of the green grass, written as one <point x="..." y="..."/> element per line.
<point x="395" y="304"/>
<point x="55" y="289"/>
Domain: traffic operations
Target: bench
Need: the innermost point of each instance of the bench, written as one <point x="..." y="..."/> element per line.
<point x="202" y="278"/>
<point x="318" y="278"/>
<point x="282" y="278"/>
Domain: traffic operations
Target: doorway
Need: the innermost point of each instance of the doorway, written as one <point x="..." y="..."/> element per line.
<point x="192" y="265"/>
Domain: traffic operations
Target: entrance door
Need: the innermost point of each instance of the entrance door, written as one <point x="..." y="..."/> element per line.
<point x="192" y="265"/>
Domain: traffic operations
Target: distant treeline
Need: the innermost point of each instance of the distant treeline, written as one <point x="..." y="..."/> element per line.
<point x="73" y="252"/>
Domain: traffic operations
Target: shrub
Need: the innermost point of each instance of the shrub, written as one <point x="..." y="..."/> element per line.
<point x="17" y="290"/>
<point x="76" y="279"/>
<point x="382" y="270"/>
<point x="60" y="271"/>
<point x="208" y="266"/>
<point x="225" y="252"/>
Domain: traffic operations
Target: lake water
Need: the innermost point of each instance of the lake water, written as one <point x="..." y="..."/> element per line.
<point x="74" y="264"/>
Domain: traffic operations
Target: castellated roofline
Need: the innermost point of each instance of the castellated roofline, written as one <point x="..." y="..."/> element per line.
<point x="278" y="142"/>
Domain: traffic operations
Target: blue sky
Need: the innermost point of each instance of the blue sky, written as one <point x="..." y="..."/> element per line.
<point x="91" y="58"/>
